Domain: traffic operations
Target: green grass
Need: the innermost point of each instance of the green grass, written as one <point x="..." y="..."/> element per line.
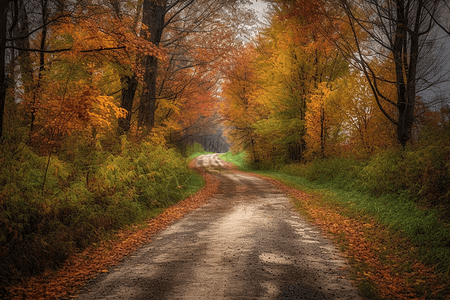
<point x="193" y="184"/>
<point x="196" y="154"/>
<point x="237" y="159"/>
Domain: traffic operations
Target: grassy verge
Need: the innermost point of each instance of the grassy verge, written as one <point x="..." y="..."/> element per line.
<point x="398" y="250"/>
<point x="237" y="159"/>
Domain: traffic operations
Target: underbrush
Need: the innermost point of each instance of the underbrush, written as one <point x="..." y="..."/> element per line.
<point x="56" y="205"/>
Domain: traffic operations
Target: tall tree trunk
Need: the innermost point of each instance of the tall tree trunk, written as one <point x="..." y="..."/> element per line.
<point x="129" y="82"/>
<point x="41" y="66"/>
<point x="129" y="86"/>
<point x="406" y="59"/>
<point x="399" y="51"/>
<point x="154" y="12"/>
<point x="3" y="84"/>
<point x="24" y="58"/>
<point x="255" y="155"/>
<point x="322" y="130"/>
<point x="405" y="29"/>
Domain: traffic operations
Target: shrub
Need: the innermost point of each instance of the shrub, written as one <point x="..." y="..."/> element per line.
<point x="341" y="171"/>
<point x="382" y="174"/>
<point x="423" y="174"/>
<point x="54" y="206"/>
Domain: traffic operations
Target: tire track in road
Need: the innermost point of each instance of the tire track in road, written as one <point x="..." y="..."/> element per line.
<point x="247" y="242"/>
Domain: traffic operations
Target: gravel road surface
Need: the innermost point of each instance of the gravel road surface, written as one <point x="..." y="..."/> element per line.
<point x="246" y="242"/>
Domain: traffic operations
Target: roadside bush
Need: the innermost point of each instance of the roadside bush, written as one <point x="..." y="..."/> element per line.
<point x="382" y="174"/>
<point x="54" y="206"/>
<point x="422" y="173"/>
<point x="340" y="171"/>
<point x="426" y="174"/>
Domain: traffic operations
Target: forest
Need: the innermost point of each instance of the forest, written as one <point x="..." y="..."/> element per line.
<point x="102" y="102"/>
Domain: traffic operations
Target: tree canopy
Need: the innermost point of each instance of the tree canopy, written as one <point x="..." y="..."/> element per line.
<point x="339" y="76"/>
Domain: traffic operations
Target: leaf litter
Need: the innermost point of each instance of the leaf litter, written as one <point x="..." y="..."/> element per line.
<point x="381" y="259"/>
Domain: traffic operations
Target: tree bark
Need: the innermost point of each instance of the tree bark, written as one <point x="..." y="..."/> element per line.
<point x="406" y="57"/>
<point x="154" y="12"/>
<point x="3" y="84"/>
<point x="37" y="88"/>
<point x="129" y="86"/>
<point x="24" y="58"/>
<point x="129" y="82"/>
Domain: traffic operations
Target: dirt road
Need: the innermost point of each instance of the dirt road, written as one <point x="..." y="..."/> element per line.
<point x="245" y="243"/>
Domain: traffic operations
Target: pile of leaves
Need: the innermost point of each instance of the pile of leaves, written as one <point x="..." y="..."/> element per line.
<point x="99" y="257"/>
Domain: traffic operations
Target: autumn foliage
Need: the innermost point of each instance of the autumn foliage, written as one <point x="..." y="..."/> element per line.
<point x="299" y="100"/>
<point x="76" y="162"/>
<point x="295" y="71"/>
<point x="81" y="157"/>
<point x="309" y="98"/>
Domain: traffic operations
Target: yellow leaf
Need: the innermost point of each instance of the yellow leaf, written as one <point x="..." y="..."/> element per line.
<point x="420" y="281"/>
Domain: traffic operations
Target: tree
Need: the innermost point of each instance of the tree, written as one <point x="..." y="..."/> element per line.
<point x="403" y="32"/>
<point x="153" y="19"/>
<point x="167" y="22"/>
<point x="198" y="44"/>
<point x="22" y="21"/>
<point x="295" y="60"/>
<point x="239" y="108"/>
<point x="364" y="127"/>
<point x="35" y="39"/>
<point x="128" y="75"/>
<point x="3" y="85"/>
<point x="194" y="34"/>
<point x="323" y="122"/>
